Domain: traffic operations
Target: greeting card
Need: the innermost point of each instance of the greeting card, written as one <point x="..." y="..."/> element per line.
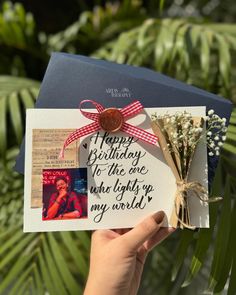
<point x="99" y="168"/>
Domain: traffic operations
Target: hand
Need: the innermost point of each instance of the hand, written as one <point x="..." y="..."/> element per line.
<point x="117" y="257"/>
<point x="62" y="194"/>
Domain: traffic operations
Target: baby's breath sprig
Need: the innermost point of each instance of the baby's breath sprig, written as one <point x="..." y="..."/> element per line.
<point x="216" y="132"/>
<point x="184" y="132"/>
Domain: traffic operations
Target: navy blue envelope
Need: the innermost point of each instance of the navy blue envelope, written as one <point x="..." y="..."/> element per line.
<point x="72" y="78"/>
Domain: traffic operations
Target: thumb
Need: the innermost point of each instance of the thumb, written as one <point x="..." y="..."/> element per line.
<point x="143" y="231"/>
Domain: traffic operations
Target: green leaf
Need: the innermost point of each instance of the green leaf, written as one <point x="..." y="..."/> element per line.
<point x="17" y="235"/>
<point x="144" y="32"/>
<point x="38" y="280"/>
<point x="27" y="99"/>
<point x="16" y="250"/>
<point x="232" y="281"/>
<point x="24" y="288"/>
<point x="179" y="46"/>
<point x="161" y="5"/>
<point x="186" y="240"/>
<point x="5" y="233"/>
<point x="159" y="52"/>
<point x="84" y="239"/>
<point x="3" y="135"/>
<point x="233" y="119"/>
<point x="222" y="28"/>
<point x="222" y="240"/>
<point x="17" y="34"/>
<point x="66" y="275"/>
<point x="170" y="35"/>
<point x="205" y="235"/>
<point x="20" y="280"/>
<point x="224" y="59"/>
<point x="16" y="269"/>
<point x="9" y="84"/>
<point x="15" y="116"/>
<point x="206" y="39"/>
<point x="231" y="135"/>
<point x="228" y="259"/>
<point x="58" y="286"/>
<point x="77" y="254"/>
<point x="203" y="243"/>
<point x="45" y="274"/>
<point x="17" y="28"/>
<point x="195" y="34"/>
<point x="231" y="128"/>
<point x="13" y="90"/>
<point x="20" y="12"/>
<point x="230" y="148"/>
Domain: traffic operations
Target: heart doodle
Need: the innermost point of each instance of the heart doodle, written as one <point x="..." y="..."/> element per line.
<point x="149" y="199"/>
<point x="85" y="145"/>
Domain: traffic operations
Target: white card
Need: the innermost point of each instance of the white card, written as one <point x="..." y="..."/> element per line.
<point x="117" y="179"/>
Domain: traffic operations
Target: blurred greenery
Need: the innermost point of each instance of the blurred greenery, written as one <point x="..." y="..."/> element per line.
<point x="193" y="41"/>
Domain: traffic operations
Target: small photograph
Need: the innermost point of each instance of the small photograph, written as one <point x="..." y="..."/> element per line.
<point x="65" y="194"/>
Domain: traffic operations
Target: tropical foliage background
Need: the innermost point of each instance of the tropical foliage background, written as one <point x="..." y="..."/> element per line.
<point x="193" y="41"/>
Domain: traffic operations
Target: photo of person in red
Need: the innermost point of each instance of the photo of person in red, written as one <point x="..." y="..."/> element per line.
<point x="65" y="194"/>
<point x="63" y="204"/>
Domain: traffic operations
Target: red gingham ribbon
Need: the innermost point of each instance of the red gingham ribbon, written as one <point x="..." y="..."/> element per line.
<point x="130" y="110"/>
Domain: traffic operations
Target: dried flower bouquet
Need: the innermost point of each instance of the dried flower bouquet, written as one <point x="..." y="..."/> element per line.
<point x="179" y="135"/>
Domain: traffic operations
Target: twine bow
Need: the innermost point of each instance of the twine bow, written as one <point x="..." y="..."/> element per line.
<point x="181" y="213"/>
<point x="129" y="110"/>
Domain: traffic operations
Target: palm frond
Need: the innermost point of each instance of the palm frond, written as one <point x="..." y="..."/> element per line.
<point x="97" y="26"/>
<point x="232" y="281"/>
<point x="227" y="265"/>
<point x="21" y="45"/>
<point x="168" y="45"/>
<point x="221" y="241"/>
<point x="185" y="240"/>
<point x="17" y="26"/>
<point x="205" y="235"/>
<point x="16" y="94"/>
<point x="157" y="275"/>
<point x="11" y="191"/>
<point x="230" y="145"/>
<point x="44" y="260"/>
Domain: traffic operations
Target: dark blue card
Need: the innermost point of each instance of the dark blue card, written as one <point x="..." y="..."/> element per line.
<point x="72" y="78"/>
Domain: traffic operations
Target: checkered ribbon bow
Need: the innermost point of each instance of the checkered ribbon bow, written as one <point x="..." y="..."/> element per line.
<point x="129" y="110"/>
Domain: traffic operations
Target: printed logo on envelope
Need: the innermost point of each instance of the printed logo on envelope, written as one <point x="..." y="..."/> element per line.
<point x="115" y="92"/>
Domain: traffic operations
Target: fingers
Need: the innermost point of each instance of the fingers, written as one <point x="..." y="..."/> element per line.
<point x="143" y="231"/>
<point x="122" y="231"/>
<point x="158" y="237"/>
<point x="103" y="235"/>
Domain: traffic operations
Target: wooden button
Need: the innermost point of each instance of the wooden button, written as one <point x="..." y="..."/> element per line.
<point x="111" y="120"/>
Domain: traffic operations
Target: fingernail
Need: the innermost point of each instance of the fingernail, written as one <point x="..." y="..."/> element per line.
<point x="159" y="216"/>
